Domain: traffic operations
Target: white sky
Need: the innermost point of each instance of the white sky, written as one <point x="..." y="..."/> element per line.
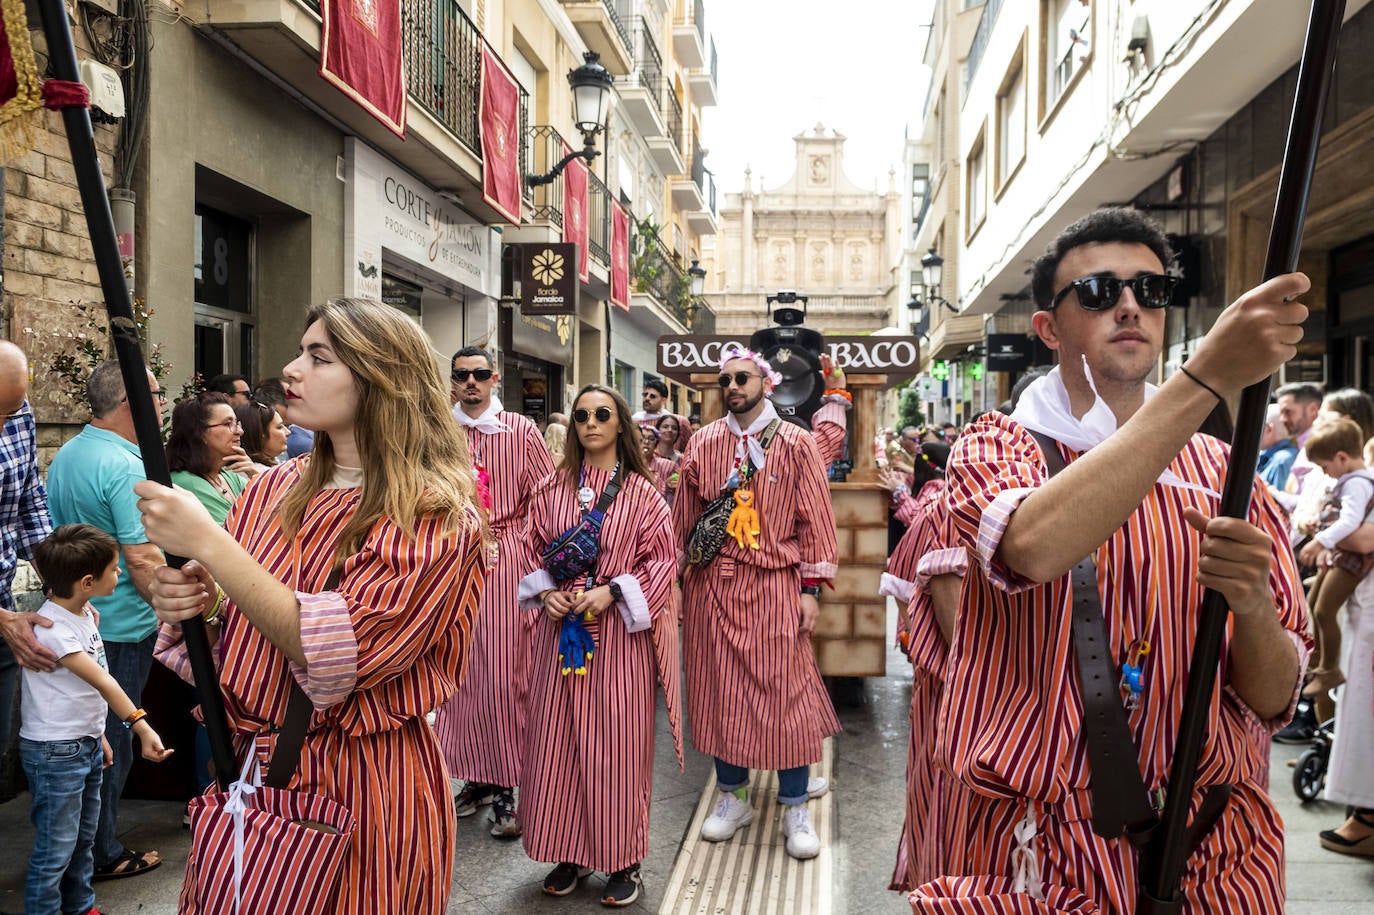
<point x="854" y="65"/>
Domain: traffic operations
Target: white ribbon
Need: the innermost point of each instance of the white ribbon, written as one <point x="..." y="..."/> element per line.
<point x="488" y="422"/>
<point x="237" y="804"/>
<point x="751" y="435"/>
<point x="1025" y="864"/>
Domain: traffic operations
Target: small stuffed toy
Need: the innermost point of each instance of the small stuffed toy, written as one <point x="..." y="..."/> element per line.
<point x="744" y="521"/>
<point x="575" y="645"/>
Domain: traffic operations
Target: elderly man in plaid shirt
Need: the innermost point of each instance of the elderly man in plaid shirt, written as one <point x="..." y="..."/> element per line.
<point x="24" y="521"/>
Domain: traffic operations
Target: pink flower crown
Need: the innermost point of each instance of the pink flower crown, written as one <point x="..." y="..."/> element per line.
<point x="774" y="378"/>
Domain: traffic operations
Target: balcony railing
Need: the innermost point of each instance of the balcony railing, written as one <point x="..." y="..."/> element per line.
<point x="443" y="57"/>
<point x="599" y="220"/>
<point x="648" y="65"/>
<point x="619" y="12"/>
<point x="672" y="116"/>
<point x="986" y="21"/>
<point x="657" y="272"/>
<point x="715" y="63"/>
<point x="546" y="148"/>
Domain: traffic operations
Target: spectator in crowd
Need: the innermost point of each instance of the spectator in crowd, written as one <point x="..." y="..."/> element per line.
<point x="593" y="814"/>
<point x="669" y="431"/>
<point x="24" y="522"/>
<point x="90" y="481"/>
<point x="1277" y="450"/>
<point x="1354" y="405"/>
<point x="661" y="470"/>
<point x="234" y="387"/>
<point x="264" y="433"/>
<point x="205" y="455"/>
<point x="1299" y="403"/>
<point x="556" y="436"/>
<point x="655" y="402"/>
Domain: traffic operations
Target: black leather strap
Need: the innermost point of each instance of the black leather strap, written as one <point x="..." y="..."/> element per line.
<point x="291" y="736"/>
<point x="1121" y="801"/>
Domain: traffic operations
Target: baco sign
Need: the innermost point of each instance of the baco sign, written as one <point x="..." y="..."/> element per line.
<point x="897" y="357"/>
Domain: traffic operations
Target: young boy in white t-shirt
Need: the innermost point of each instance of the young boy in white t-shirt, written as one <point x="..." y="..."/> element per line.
<point x="61" y="739"/>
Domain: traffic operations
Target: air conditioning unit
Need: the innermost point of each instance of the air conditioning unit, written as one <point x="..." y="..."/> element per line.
<point x="107" y="92"/>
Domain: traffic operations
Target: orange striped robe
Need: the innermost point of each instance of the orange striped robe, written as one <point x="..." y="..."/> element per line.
<point x="1009" y="722"/>
<point x="383" y="649"/>
<point x="754" y="692"/>
<point x="588" y="764"/>
<point x="480" y="728"/>
<point x="829" y="425"/>
<point x="930" y="542"/>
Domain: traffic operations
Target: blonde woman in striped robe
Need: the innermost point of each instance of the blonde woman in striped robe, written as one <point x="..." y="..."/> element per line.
<point x="386" y="499"/>
<point x="588" y="762"/>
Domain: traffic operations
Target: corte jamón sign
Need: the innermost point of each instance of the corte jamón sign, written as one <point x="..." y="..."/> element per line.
<point x="897" y="357"/>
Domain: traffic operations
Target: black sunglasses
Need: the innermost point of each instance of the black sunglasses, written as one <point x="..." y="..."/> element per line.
<point x="582" y="417"/>
<point x="479" y="374"/>
<point x="739" y="378"/>
<point x="1098" y="293"/>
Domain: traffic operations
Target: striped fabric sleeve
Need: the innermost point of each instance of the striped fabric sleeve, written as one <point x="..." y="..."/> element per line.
<point x="892" y="586"/>
<point x="828" y="426"/>
<point x="905" y="508"/>
<point x="1280" y="721"/>
<point x="531" y="586"/>
<point x="330" y="648"/>
<point x="170" y="651"/>
<point x="950" y="561"/>
<point x="648" y="583"/>
<point x="688" y="503"/>
<point x="815" y="515"/>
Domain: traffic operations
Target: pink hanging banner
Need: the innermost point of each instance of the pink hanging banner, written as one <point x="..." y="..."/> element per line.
<point x="620" y="256"/>
<point x="500" y="114"/>
<point x="575" y="227"/>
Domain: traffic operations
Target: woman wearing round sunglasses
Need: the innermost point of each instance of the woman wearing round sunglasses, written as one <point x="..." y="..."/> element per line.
<point x="205" y="454"/>
<point x="593" y="814"/>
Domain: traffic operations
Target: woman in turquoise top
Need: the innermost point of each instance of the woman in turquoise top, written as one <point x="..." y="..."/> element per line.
<point x="205" y="455"/>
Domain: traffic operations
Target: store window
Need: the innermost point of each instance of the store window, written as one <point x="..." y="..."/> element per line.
<point x="224" y="310"/>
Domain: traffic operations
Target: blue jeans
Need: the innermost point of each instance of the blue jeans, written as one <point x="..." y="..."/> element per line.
<point x="129" y="664"/>
<point x="791" y="782"/>
<point x="64" y="779"/>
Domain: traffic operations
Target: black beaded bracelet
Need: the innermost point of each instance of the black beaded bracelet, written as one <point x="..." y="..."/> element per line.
<point x="1211" y="390"/>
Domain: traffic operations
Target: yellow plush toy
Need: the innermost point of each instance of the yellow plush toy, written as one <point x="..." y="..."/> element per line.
<point x="744" y="521"/>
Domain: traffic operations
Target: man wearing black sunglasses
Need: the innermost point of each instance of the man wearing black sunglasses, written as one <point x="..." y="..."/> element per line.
<point x="1139" y="498"/>
<point x="480" y="729"/>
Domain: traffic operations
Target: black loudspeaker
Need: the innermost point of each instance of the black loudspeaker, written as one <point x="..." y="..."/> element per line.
<point x="794" y="353"/>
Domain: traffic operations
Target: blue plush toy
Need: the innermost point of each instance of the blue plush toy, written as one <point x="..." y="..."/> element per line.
<point x="575" y="645"/>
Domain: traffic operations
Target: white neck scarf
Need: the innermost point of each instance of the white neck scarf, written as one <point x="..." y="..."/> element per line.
<point x="1044" y="408"/>
<point x="750" y="436"/>
<point x="487" y="423"/>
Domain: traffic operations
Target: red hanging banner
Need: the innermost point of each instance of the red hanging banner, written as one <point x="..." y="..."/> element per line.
<point x="360" y="53"/>
<point x="575" y="228"/>
<point x="620" y="256"/>
<point x="501" y="139"/>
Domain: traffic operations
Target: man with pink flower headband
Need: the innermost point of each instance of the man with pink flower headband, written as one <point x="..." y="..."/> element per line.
<point x="754" y="692"/>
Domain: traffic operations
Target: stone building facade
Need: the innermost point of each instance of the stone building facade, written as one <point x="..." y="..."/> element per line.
<point x="819" y="234"/>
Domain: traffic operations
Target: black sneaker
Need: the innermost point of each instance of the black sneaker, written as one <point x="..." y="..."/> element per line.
<point x="503" y="822"/>
<point x="1302" y="728"/>
<point x="473" y="795"/>
<point x="623" y="887"/>
<point x="564" y="878"/>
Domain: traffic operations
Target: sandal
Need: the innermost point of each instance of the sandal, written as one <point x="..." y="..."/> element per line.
<point x="129" y="864"/>
<point x="1364" y="847"/>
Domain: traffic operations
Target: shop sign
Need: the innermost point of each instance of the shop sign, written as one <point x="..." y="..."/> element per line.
<point x="547" y="337"/>
<point x="548" y="279"/>
<point x="897" y="357"/>
<point x="1009" y="352"/>
<point x="387" y="207"/>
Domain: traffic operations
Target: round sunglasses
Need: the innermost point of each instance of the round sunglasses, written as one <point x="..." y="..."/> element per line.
<point x="1099" y="293"/>
<point x="602" y="414"/>
<point x="739" y="378"/>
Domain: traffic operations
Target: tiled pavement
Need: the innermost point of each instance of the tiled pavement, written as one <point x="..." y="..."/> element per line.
<point x="491" y="876"/>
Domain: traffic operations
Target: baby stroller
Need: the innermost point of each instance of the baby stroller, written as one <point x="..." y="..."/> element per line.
<point x="1309" y="775"/>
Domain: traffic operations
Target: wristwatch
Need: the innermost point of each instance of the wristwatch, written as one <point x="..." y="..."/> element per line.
<point x="813" y="590"/>
<point x="616" y="593"/>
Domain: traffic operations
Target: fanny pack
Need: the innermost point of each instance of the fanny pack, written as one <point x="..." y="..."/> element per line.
<point x="575" y="551"/>
<point x="709" y="533"/>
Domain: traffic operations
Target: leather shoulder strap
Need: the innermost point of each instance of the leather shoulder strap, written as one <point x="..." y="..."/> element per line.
<point x="1121" y="800"/>
<point x="291" y="737"/>
<point x="769" y="431"/>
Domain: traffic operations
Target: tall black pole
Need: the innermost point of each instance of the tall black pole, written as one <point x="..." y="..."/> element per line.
<point x="1164" y="860"/>
<point x="124" y="332"/>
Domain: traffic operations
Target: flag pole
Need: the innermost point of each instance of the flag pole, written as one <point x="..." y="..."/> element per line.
<point x="124" y="333"/>
<point x="1163" y="862"/>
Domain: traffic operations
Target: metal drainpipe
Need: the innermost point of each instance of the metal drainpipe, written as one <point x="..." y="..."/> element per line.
<point x="122" y="208"/>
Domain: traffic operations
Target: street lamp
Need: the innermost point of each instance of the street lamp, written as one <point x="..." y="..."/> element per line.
<point x="932" y="269"/>
<point x="698" y="275"/>
<point x="592" y="90"/>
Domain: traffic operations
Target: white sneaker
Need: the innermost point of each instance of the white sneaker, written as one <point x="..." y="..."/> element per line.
<point x="817" y="786"/>
<point x="802" y="841"/>
<point x="730" y="815"/>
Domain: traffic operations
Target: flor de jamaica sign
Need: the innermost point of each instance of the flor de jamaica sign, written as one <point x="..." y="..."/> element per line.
<point x="897" y="357"/>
